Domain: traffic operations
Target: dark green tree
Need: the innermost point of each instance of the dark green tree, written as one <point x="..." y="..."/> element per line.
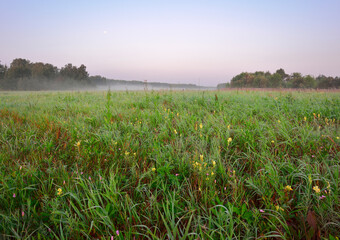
<point x="69" y="71"/>
<point x="44" y="71"/>
<point x="325" y="82"/>
<point x="276" y="80"/>
<point x="19" y="70"/>
<point x="82" y="74"/>
<point x="3" y="71"/>
<point x="282" y="73"/>
<point x="72" y="72"/>
<point x="309" y="82"/>
<point x="295" y="80"/>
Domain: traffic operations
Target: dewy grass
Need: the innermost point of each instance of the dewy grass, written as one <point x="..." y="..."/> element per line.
<point x="169" y="165"/>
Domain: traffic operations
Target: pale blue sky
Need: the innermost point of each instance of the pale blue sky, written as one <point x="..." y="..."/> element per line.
<point x="194" y="41"/>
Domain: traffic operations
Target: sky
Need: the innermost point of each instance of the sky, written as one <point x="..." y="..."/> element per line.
<point x="203" y="42"/>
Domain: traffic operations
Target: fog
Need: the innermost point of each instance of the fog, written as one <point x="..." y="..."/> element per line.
<point x="155" y="87"/>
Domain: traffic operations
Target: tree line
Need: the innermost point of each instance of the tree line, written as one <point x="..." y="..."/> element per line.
<point x="25" y="75"/>
<point x="280" y="79"/>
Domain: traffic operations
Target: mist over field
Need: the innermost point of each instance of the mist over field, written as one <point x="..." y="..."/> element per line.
<point x="131" y="87"/>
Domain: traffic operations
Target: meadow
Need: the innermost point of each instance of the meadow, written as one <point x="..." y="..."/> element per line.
<point x="169" y="165"/>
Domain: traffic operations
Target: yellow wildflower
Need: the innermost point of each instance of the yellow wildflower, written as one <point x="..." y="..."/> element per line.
<point x="305" y="119"/>
<point x="316" y="189"/>
<point x="229" y="140"/>
<point x="272" y="141"/>
<point x="153" y="169"/>
<point x="214" y="163"/>
<point x="277" y="207"/>
<point x="59" y="191"/>
<point x="278" y="121"/>
<point x="201" y="125"/>
<point x="288" y="188"/>
<point x="201" y="157"/>
<point x="310" y="179"/>
<point x="78" y="143"/>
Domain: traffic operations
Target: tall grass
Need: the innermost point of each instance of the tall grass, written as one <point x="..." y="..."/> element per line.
<point x="169" y="165"/>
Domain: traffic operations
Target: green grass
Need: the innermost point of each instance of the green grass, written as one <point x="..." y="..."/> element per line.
<point x="169" y="165"/>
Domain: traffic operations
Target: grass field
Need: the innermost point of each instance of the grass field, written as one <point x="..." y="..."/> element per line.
<point x="169" y="165"/>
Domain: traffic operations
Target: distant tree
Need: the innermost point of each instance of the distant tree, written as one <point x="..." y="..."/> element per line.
<point x="281" y="79"/>
<point x="69" y="71"/>
<point x="309" y="82"/>
<point x="237" y="81"/>
<point x="324" y="82"/>
<point x="3" y="71"/>
<point x="263" y="81"/>
<point x="72" y="72"/>
<point x="82" y="74"/>
<point x="336" y="82"/>
<point x="276" y="80"/>
<point x="249" y="80"/>
<point x="321" y="81"/>
<point x="267" y="74"/>
<point x="20" y="69"/>
<point x="282" y="73"/>
<point x="295" y="80"/>
<point x="44" y="71"/>
<point x="259" y="73"/>
<point x="97" y="80"/>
